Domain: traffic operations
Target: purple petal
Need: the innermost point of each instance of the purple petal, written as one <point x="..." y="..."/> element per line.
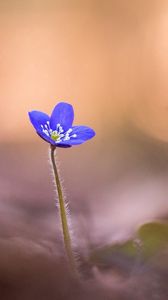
<point x="37" y="119"/>
<point x="46" y="138"/>
<point x="62" y="114"/>
<point x="81" y="135"/>
<point x="62" y="145"/>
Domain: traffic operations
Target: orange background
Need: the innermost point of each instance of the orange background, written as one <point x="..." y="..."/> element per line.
<point x="108" y="58"/>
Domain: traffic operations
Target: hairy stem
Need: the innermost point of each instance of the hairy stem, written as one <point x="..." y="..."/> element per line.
<point x="63" y="215"/>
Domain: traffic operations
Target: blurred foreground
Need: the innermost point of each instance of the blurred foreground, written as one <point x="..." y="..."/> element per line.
<point x="108" y="202"/>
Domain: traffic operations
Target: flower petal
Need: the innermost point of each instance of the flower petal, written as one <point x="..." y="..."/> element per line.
<point x="62" y="114"/>
<point x="61" y="145"/>
<point x="46" y="138"/>
<point x="83" y="133"/>
<point x="37" y="119"/>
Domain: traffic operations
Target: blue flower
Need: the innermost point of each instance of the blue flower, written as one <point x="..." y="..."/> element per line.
<point x="57" y="129"/>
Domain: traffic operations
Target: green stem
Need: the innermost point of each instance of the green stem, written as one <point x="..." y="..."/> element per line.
<point x="63" y="215"/>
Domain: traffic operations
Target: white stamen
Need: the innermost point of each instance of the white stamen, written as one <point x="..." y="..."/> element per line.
<point x="69" y="131"/>
<point x="46" y="132"/>
<point x="59" y="128"/>
<point x="67" y="138"/>
<point x="58" y="132"/>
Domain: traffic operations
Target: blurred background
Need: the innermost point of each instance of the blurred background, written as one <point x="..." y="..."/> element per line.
<point x="109" y="59"/>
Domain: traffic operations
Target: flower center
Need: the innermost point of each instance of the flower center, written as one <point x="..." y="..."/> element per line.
<point x="57" y="135"/>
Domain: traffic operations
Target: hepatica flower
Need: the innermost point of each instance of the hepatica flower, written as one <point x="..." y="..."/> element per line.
<point x="57" y="129"/>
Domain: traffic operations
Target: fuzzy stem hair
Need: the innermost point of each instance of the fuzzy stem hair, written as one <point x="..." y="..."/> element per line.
<point x="63" y="215"/>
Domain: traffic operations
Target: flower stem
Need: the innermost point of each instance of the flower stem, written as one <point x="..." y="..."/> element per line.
<point x="63" y="215"/>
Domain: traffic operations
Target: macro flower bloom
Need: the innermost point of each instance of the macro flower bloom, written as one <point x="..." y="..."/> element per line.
<point x="57" y="129"/>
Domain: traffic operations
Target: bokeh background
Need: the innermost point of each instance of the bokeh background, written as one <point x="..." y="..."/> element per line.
<point x="109" y="59"/>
